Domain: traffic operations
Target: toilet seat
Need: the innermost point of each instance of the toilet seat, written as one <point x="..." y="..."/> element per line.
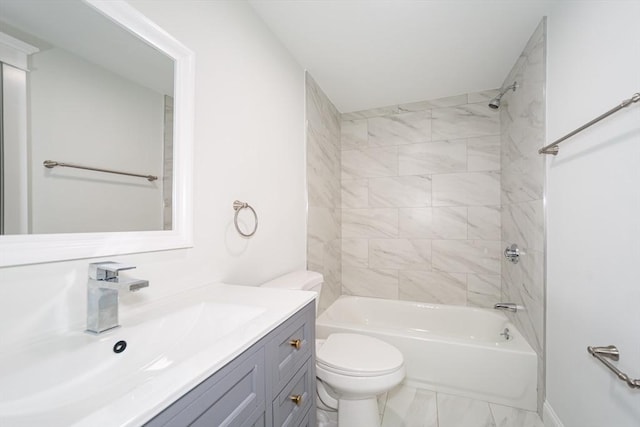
<point x="357" y="355"/>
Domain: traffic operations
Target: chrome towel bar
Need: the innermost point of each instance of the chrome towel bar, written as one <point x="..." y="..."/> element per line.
<point x="612" y="352"/>
<point x="52" y="164"/>
<point x="553" y="148"/>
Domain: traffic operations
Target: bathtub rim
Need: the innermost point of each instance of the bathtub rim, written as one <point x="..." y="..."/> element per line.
<point x="518" y="344"/>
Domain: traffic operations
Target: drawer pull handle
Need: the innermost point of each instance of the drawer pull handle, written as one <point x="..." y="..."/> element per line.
<point x="297" y="399"/>
<point x="296" y="343"/>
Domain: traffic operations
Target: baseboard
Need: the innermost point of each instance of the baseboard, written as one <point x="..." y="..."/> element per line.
<point x="549" y="416"/>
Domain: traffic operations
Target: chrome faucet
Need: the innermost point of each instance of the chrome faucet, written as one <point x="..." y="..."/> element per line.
<point x="508" y="306"/>
<point x="102" y="294"/>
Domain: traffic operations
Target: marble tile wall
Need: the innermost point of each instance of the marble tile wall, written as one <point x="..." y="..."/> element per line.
<point x="324" y="248"/>
<point x="420" y="195"/>
<point x="522" y="119"/>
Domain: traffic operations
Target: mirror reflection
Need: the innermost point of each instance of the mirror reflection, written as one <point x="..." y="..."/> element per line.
<point x="88" y="93"/>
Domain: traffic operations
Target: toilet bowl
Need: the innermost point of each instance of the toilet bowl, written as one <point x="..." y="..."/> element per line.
<point x="351" y="369"/>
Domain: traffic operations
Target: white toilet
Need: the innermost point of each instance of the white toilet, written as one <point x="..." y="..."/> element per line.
<point x="351" y="369"/>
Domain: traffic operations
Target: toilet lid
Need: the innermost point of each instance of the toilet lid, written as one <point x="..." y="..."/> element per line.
<point x="358" y="355"/>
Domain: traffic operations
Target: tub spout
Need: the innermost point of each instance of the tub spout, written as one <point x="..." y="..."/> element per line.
<point x="508" y="306"/>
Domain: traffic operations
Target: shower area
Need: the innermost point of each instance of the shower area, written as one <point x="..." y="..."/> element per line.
<point x="419" y="201"/>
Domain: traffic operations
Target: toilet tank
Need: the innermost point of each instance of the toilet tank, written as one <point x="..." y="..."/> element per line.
<point x="302" y="280"/>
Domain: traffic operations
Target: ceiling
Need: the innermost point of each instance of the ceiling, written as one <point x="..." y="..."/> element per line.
<point x="374" y="53"/>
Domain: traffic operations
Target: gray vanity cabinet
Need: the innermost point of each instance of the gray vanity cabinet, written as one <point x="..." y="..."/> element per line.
<point x="271" y="384"/>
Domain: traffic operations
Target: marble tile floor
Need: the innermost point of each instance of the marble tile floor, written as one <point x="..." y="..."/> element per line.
<point x="407" y="406"/>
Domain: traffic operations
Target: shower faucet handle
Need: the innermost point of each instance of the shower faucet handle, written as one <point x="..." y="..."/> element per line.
<point x="512" y="253"/>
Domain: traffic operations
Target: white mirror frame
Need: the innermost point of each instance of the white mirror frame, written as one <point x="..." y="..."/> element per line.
<point x="38" y="248"/>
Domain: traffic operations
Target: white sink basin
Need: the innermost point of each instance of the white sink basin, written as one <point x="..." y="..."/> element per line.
<point x="85" y="365"/>
<point x="78" y="379"/>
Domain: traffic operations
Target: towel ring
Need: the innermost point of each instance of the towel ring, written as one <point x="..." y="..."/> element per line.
<point x="237" y="206"/>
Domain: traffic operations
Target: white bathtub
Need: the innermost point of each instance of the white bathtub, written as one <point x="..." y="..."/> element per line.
<point x="449" y="349"/>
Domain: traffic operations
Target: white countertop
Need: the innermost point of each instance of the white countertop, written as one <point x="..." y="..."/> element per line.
<point x="129" y="392"/>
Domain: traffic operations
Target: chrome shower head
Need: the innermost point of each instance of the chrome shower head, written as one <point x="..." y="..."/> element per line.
<point x="495" y="102"/>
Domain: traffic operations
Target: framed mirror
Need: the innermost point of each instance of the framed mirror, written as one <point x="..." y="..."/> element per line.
<point x="97" y="143"/>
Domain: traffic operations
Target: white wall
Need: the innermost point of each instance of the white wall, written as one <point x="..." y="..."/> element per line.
<point x="14" y="208"/>
<point x="593" y="208"/>
<point x="249" y="145"/>
<point x="84" y="114"/>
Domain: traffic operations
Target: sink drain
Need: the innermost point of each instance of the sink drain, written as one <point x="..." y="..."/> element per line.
<point x="119" y="347"/>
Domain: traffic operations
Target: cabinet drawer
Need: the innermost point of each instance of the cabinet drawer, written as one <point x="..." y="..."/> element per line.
<point x="260" y="423"/>
<point x="309" y="420"/>
<point x="291" y="346"/>
<point x="288" y="413"/>
<point x="235" y="396"/>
